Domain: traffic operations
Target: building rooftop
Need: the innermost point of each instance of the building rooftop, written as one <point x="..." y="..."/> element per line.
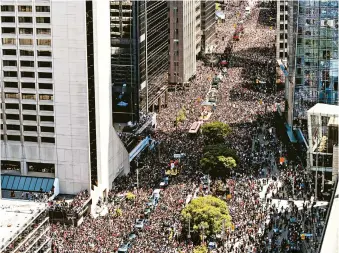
<point x="15" y="216"/>
<point x="325" y="109"/>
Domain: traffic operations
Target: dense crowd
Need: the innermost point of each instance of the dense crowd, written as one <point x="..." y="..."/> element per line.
<point x="259" y="221"/>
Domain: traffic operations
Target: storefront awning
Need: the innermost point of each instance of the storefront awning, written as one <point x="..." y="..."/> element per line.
<point x="25" y="183"/>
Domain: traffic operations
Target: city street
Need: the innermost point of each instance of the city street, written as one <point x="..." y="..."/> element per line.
<point x="249" y="110"/>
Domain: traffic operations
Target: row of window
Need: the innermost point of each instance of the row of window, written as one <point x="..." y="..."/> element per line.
<point x="28" y="138"/>
<point x="29" y="96"/>
<point x="29" y="107"/>
<point x="27" y="42"/>
<point x="13" y="63"/>
<point x="27" y="74"/>
<point x="26" y="52"/>
<point x="44" y="129"/>
<point x="41" y="64"/>
<point x="24" y="85"/>
<point x="29" y="117"/>
<point x="24" y="8"/>
<point x="13" y="30"/>
<point x="39" y="20"/>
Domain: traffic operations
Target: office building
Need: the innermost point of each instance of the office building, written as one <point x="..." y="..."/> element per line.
<point x="322" y="122"/>
<point x="282" y="30"/>
<point x="182" y="40"/>
<point x="139" y="51"/>
<point x="312" y="61"/>
<point x="56" y="96"/>
<point x="198" y="31"/>
<point x="207" y="23"/>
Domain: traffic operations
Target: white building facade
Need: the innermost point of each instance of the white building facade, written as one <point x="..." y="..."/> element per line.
<point x="183" y="40"/>
<point x="56" y="97"/>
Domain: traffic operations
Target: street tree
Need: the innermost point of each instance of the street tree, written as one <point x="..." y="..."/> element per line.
<point x="206" y="216"/>
<point x="215" y="132"/>
<point x="218" y="160"/>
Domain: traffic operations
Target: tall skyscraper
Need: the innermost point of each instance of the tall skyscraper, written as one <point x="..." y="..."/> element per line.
<point x="207" y="22"/>
<point x="139" y="41"/>
<point x="183" y="40"/>
<point x="56" y="95"/>
<point x="312" y="58"/>
<point x="282" y="30"/>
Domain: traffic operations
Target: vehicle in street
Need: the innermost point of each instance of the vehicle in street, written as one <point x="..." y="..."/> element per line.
<point x="139" y="223"/>
<point x="124" y="247"/>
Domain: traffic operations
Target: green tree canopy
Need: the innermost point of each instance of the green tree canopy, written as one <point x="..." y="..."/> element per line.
<point x="218" y="160"/>
<point x="215" y="132"/>
<point x="209" y="212"/>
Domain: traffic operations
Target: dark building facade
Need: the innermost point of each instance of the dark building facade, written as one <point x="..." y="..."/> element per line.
<point x="139" y="41"/>
<point x="207" y="22"/>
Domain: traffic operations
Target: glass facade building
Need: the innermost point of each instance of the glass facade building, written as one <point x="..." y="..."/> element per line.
<point x="315" y="66"/>
<point x="135" y="27"/>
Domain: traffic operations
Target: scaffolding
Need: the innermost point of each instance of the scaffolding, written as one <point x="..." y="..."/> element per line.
<point x="315" y="65"/>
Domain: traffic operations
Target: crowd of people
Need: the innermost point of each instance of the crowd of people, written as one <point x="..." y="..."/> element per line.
<point x="254" y="186"/>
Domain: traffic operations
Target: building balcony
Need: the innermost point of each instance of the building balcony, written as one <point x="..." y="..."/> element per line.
<point x="10" y="68"/>
<point x="12" y="111"/>
<point x="25" y="25"/>
<point x="11" y="90"/>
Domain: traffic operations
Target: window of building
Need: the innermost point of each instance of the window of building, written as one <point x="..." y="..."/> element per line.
<point x="9" y="52"/>
<point x="46" y="97"/>
<point x="48" y="139"/>
<point x="44" y="53"/>
<point x="26" y="30"/>
<point x="47" y="129"/>
<point x="47" y="118"/>
<point x="10" y="30"/>
<point x="42" y="9"/>
<point x="12" y="106"/>
<point x="30" y="138"/>
<point x="43" y="42"/>
<point x="45" y="31"/>
<point x="44" y="64"/>
<point x="13" y="127"/>
<point x="30" y="128"/>
<point x="45" y="86"/>
<point x="25" y="20"/>
<point x="7" y="19"/>
<point x="28" y="96"/>
<point x="13" y="137"/>
<point x="7" y="8"/>
<point x="2" y="138"/>
<point x="8" y="41"/>
<point x="28" y="85"/>
<point x="44" y="75"/>
<point x="26" y="53"/>
<point x="46" y="108"/>
<point x="12" y="116"/>
<point x="26" y="42"/>
<point x="29" y="107"/>
<point x="29" y="117"/>
<point x="41" y="167"/>
<point x="27" y="64"/>
<point x="25" y="8"/>
<point x="10" y="63"/>
<point x="27" y="74"/>
<point x="12" y="95"/>
<point x="11" y="84"/>
<point x="43" y="20"/>
<point x="10" y="74"/>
